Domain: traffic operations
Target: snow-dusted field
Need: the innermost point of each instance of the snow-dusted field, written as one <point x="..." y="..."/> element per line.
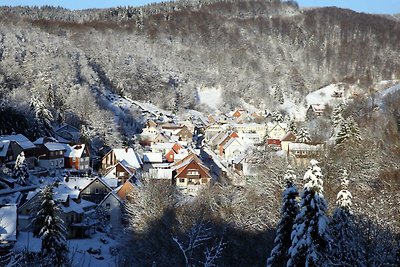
<point x="323" y="95"/>
<point x="211" y="97"/>
<point x="78" y="249"/>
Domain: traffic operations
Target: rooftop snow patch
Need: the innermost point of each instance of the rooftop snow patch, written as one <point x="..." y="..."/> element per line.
<point x="129" y="155"/>
<point x="54" y="146"/>
<point x="8" y="223"/>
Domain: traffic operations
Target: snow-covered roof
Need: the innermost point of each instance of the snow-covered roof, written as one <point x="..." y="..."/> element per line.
<point x="111" y="182"/>
<point x="8" y="223"/>
<point x="152" y="157"/>
<point x="13" y="198"/>
<point x="272" y="125"/>
<point x="162" y="146"/>
<point x="289" y="137"/>
<point x="232" y="140"/>
<point x="77" y="207"/>
<point x="77" y="183"/>
<point x="239" y="159"/>
<point x="129" y="155"/>
<point x="74" y="151"/>
<point x="4" y="144"/>
<point x="20" y="139"/>
<point x="51" y="146"/>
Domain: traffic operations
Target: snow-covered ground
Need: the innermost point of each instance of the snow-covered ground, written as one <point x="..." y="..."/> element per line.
<point x="295" y="111"/>
<point x="211" y="97"/>
<point x="323" y="95"/>
<point x="390" y="92"/>
<point x="78" y="249"/>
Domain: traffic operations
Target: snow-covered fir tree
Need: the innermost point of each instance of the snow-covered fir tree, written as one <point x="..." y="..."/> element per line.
<point x="52" y="231"/>
<point x="278" y="95"/>
<point x="348" y="132"/>
<point x="337" y="116"/>
<point x="303" y="136"/>
<point x="292" y="127"/>
<point x="310" y="232"/>
<point x="277" y="116"/>
<point x="20" y="171"/>
<point x="345" y="249"/>
<point x="290" y="207"/>
<point x="42" y="118"/>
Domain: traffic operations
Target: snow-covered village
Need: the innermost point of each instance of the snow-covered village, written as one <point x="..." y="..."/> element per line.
<point x="199" y="133"/>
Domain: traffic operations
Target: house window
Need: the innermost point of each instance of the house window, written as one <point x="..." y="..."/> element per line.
<point x="190" y="180"/>
<point x="108" y="206"/>
<point x="61" y="162"/>
<point x="52" y="163"/>
<point x="181" y="180"/>
<point x="96" y="191"/>
<point x="204" y="180"/>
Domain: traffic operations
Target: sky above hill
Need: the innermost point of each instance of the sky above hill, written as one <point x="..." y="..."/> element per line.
<point x="370" y="6"/>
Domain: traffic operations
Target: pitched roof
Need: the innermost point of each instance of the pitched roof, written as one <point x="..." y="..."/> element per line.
<point x="203" y="168"/>
<point x="231" y="141"/>
<point x="74" y="151"/>
<point x="111" y="194"/>
<point x="51" y="146"/>
<point x="20" y="139"/>
<point x="128" y="155"/>
<point x="152" y="157"/>
<point x="4" y="144"/>
<point x="289" y="137"/>
<point x="100" y="180"/>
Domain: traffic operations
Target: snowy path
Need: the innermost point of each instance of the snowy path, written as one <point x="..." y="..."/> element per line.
<point x="391" y="92"/>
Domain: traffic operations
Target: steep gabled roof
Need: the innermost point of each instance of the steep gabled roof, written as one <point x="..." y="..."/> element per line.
<point x="51" y="146"/>
<point x="131" y="158"/>
<point x="111" y="194"/>
<point x="124" y="165"/>
<point x="227" y="144"/>
<point x="96" y="179"/>
<point x="202" y="168"/>
<point x="74" y="151"/>
<point x="289" y="137"/>
<point x="20" y="139"/>
<point x="4" y="144"/>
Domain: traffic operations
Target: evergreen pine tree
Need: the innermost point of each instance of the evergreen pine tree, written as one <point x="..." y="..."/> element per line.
<point x="303" y="136"/>
<point x="348" y="132"/>
<point x="337" y="116"/>
<point x="277" y="116"/>
<point x="278" y="95"/>
<point x="290" y="207"/>
<point x="20" y="171"/>
<point x="52" y="230"/>
<point x="292" y="127"/>
<point x="345" y="245"/>
<point x="309" y="236"/>
<point x="42" y="119"/>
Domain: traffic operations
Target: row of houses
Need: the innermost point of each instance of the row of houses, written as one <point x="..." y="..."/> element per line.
<point x="45" y="152"/>
<point x="84" y="204"/>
